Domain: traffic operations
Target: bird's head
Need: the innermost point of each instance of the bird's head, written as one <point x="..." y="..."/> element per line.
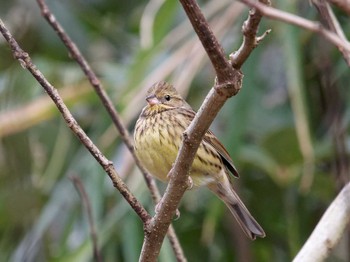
<point x="163" y="96"/>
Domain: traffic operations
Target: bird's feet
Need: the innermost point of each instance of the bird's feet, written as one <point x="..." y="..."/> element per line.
<point x="190" y="183"/>
<point x="159" y="205"/>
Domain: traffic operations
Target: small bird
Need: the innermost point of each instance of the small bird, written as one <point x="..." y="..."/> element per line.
<point x="158" y="134"/>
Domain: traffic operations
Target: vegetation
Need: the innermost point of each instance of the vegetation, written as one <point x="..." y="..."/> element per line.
<point x="287" y="130"/>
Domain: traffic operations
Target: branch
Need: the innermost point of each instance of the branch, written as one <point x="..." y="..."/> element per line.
<point x="228" y="84"/>
<point x="107" y="165"/>
<point x="108" y="104"/>
<point x="332" y="23"/>
<point x="342" y="4"/>
<point x="250" y="39"/>
<point x="276" y="14"/>
<point x="87" y="204"/>
<point x="224" y="72"/>
<point x="328" y="231"/>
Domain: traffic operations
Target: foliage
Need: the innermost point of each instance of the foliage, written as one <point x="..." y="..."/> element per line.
<point x="293" y="80"/>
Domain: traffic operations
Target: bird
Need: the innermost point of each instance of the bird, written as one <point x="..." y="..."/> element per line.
<point x="157" y="139"/>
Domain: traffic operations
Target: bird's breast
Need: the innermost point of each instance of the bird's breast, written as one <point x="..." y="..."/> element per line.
<point x="157" y="141"/>
<point x="157" y="144"/>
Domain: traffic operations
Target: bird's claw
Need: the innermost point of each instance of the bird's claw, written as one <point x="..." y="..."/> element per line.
<point x="158" y="206"/>
<point x="177" y="214"/>
<point x="168" y="176"/>
<point x="190" y="183"/>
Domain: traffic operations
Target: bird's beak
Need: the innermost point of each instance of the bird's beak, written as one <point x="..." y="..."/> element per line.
<point x="152" y="100"/>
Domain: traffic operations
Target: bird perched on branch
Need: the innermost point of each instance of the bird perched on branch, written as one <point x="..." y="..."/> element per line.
<point x="158" y="134"/>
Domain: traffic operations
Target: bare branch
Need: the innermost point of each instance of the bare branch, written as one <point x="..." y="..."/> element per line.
<point x="332" y="23"/>
<point x="223" y="70"/>
<point x="250" y="38"/>
<point x="276" y="14"/>
<point x="107" y="165"/>
<point x="342" y="4"/>
<point x="87" y="204"/>
<point x="328" y="231"/>
<point x="108" y="104"/>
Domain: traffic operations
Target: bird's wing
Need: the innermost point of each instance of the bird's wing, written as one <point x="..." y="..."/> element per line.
<point x="212" y="140"/>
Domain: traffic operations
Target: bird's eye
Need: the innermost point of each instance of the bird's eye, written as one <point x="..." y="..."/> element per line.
<point x="167" y="97"/>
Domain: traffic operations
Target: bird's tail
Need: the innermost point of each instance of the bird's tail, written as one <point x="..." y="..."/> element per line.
<point x="248" y="224"/>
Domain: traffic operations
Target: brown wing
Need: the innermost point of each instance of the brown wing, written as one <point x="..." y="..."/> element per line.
<point x="211" y="139"/>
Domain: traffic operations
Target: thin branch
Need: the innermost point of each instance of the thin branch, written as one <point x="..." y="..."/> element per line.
<point x="250" y="38"/>
<point x="224" y="72"/>
<point x="328" y="231"/>
<point x="87" y="204"/>
<point x="107" y="165"/>
<point x="228" y="83"/>
<point x="332" y="23"/>
<point x="342" y="4"/>
<point x="276" y="14"/>
<point x="108" y="104"/>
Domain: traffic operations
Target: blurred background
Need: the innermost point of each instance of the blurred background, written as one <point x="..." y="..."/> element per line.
<point x="287" y="130"/>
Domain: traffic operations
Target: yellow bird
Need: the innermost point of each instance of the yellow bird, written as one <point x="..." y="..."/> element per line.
<point x="158" y="134"/>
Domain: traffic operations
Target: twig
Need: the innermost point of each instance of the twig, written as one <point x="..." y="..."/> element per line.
<point x="276" y="14"/>
<point x="228" y="84"/>
<point x="328" y="231"/>
<point x="342" y="4"/>
<point x="224" y="72"/>
<point x="87" y="204"/>
<point x="332" y="23"/>
<point x="108" y="104"/>
<point x="250" y="38"/>
<point x="107" y="165"/>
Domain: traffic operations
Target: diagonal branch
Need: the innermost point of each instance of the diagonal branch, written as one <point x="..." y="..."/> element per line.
<point x="329" y="230"/>
<point x="108" y="104"/>
<point x="342" y="4"/>
<point x="250" y="39"/>
<point x="224" y="72"/>
<point x="87" y="205"/>
<point x="107" y="165"/>
<point x="273" y="13"/>
<point x="332" y="23"/>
